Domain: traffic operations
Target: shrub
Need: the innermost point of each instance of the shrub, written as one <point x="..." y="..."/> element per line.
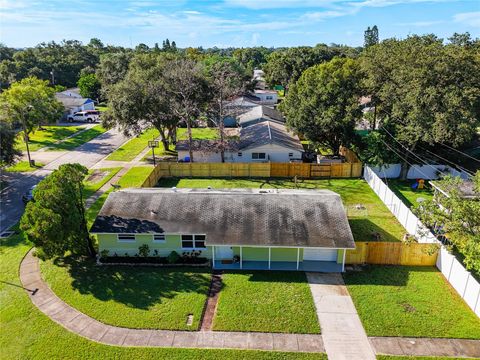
<point x="104" y="254"/>
<point x="173" y="257"/>
<point x="144" y="250"/>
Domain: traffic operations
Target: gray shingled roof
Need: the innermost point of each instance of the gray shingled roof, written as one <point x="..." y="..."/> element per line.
<point x="268" y="132"/>
<point x="260" y="114"/>
<point x="207" y="146"/>
<point x="70" y="101"/>
<point x="304" y="218"/>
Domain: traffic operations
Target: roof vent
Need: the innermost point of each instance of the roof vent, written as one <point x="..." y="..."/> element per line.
<point x="209" y="187"/>
<point x="153" y="212"/>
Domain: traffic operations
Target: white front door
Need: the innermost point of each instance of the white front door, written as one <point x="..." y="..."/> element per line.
<point x="223" y="252"/>
<point x="320" y="254"/>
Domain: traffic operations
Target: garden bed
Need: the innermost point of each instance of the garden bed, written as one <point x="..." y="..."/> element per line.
<point x="152" y="261"/>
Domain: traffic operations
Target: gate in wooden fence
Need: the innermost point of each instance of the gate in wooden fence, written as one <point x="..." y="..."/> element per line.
<point x="392" y="253"/>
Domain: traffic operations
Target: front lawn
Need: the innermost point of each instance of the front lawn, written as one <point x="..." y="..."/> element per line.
<point x="96" y="179"/>
<point x="266" y="302"/>
<point x="403" y="189"/>
<point x="135" y="176"/>
<point x="24" y="166"/>
<point x="29" y="334"/>
<point x="198" y="134"/>
<point x="46" y="137"/>
<point x="390" y="357"/>
<point x="79" y="139"/>
<point x="410" y="301"/>
<point x="367" y="220"/>
<point x="134" y="297"/>
<point x="129" y="150"/>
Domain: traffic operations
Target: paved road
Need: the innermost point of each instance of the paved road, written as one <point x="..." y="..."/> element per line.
<point x="88" y="154"/>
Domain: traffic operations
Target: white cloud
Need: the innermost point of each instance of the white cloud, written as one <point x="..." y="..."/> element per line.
<point x="278" y="4"/>
<point x="420" y="23"/>
<point x="469" y="18"/>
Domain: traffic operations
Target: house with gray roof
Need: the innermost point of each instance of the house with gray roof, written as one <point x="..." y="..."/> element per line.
<point x="273" y="229"/>
<point x="73" y="103"/>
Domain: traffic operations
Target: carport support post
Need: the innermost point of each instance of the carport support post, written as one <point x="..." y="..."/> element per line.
<point x="213" y="257"/>
<point x="343" y="262"/>
<point x="269" y="257"/>
<point x="241" y="257"/>
<point x="298" y="257"/>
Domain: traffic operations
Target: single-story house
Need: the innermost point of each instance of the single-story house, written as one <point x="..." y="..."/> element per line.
<point x="73" y="104"/>
<point x="255" y="229"/>
<point x="267" y="97"/>
<point x="260" y="114"/>
<point x="266" y="141"/>
<point x="73" y="92"/>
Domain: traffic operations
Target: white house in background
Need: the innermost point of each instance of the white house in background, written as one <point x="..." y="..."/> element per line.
<point x="258" y="114"/>
<point x="74" y="104"/>
<point x="267" y="97"/>
<point x="266" y="141"/>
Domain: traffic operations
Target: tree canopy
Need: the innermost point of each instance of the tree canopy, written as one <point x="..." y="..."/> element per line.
<point x="55" y="219"/>
<point x="89" y="86"/>
<point x="323" y="104"/>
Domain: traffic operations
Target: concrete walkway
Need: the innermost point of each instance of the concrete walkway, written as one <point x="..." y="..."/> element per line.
<point x="342" y="331"/>
<point x="75" y="321"/>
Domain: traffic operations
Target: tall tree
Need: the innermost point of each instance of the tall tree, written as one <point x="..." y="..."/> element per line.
<point x="8" y="139"/>
<point x="425" y="92"/>
<point x="55" y="219"/>
<point x="371" y="36"/>
<point x="142" y="99"/>
<point x="89" y="86"/>
<point x="30" y="103"/>
<point x="189" y="93"/>
<point x="112" y="68"/>
<point x="323" y="104"/>
<point x="227" y="79"/>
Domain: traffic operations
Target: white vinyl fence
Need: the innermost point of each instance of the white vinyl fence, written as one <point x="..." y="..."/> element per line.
<point x="429" y="172"/>
<point x="460" y="279"/>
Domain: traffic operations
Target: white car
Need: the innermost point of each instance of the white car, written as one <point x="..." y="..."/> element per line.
<point x="85" y="116"/>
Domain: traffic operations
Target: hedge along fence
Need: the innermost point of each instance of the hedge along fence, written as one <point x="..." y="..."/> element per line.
<point x="461" y="280"/>
<point x="392" y="253"/>
<point x="258" y="170"/>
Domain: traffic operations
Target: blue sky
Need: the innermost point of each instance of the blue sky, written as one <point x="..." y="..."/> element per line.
<point x="226" y="23"/>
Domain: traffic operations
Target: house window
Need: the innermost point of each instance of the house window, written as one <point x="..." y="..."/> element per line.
<point x="193" y="241"/>
<point x="159" y="238"/>
<point x="290" y="154"/>
<point x="258" y="156"/>
<point x="126" y="237"/>
<point x="239" y="154"/>
<point x="269" y="97"/>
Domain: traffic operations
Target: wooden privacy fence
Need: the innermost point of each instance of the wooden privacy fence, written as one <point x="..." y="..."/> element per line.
<point x="302" y="170"/>
<point x="392" y="253"/>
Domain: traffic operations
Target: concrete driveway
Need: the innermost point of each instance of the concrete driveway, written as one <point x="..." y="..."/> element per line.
<point x="88" y="154"/>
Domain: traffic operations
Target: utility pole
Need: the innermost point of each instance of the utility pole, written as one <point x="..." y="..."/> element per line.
<point x="53" y="77"/>
<point x="25" y="136"/>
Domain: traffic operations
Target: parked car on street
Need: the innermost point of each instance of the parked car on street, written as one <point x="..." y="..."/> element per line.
<point x="89" y="116"/>
<point x="28" y="196"/>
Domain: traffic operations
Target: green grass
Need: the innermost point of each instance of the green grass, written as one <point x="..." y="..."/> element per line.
<point x="404" y="191"/>
<point x="93" y="210"/>
<point x="134" y="297"/>
<point x="28" y="334"/>
<point x="101" y="108"/>
<point x="46" y="137"/>
<point x="198" y="133"/>
<point x="24" y="166"/>
<point x="267" y="302"/>
<point x="410" y="301"/>
<point x="79" y="139"/>
<point x="135" y="176"/>
<point x="92" y="187"/>
<point x="375" y="218"/>
<point x="129" y="150"/>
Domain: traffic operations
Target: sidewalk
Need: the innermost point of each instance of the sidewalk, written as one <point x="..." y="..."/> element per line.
<point x="342" y="330"/>
<point x="75" y="321"/>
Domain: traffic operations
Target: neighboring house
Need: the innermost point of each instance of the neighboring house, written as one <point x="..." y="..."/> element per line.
<point x="265" y="141"/>
<point x="303" y="230"/>
<point x="466" y="189"/>
<point x="259" y="114"/>
<point x="267" y="97"/>
<point x="73" y="104"/>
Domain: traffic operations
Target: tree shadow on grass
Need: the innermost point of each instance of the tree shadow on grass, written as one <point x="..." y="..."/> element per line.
<point x="136" y="287"/>
<point x="269" y="276"/>
<point x="364" y="229"/>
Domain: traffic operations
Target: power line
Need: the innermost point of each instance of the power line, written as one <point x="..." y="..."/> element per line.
<point x="460" y="152"/>
<point x="451" y="162"/>
<point x="401" y="157"/>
